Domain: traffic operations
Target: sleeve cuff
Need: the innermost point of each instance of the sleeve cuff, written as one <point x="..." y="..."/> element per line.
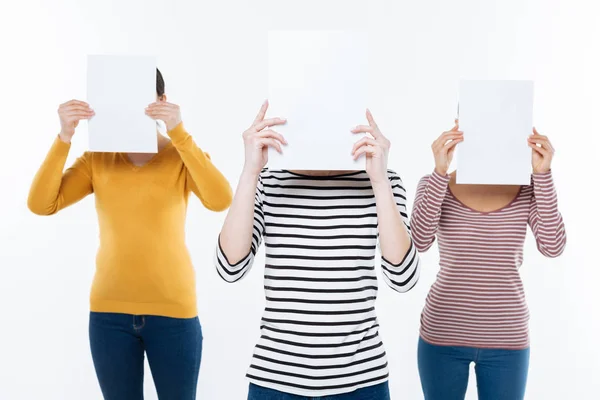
<point x="439" y="182"/>
<point x="542" y="177"/>
<point x="60" y="147"/>
<point x="178" y="134"/>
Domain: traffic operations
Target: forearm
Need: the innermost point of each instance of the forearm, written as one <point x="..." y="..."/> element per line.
<point x="207" y="181"/>
<point x="545" y="219"/>
<point x="237" y="232"/>
<point x="426" y="212"/>
<point x="394" y="239"/>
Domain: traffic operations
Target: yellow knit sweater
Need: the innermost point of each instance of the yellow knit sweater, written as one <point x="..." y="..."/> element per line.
<point x="143" y="266"/>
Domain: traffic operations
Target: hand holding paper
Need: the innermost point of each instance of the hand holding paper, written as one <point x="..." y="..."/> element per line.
<point x="70" y="113"/>
<point x="167" y="112"/>
<point x="258" y="138"/>
<point x="541" y="152"/>
<point x="443" y="148"/>
<point x="375" y="147"/>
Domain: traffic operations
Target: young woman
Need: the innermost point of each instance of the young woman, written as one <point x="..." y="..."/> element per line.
<point x="319" y="330"/>
<point x="476" y="310"/>
<point x="144" y="294"/>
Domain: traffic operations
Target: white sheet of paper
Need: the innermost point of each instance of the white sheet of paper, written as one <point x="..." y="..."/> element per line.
<point x="318" y="80"/>
<point x="496" y="118"/>
<point x="119" y="88"/>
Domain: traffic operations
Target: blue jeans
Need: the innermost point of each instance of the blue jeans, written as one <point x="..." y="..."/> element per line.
<point x="375" y="392"/>
<point x="173" y="346"/>
<point x="444" y="372"/>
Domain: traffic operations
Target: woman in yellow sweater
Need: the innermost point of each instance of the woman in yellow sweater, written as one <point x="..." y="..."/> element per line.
<point x="143" y="296"/>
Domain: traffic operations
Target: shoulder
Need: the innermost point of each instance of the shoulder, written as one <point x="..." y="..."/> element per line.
<point x="394" y="177"/>
<point x="98" y="158"/>
<point x="424" y="179"/>
<point x="265" y="173"/>
<point x="396" y="182"/>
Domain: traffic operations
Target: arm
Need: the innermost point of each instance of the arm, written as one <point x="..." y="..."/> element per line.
<point x="399" y="257"/>
<point x="431" y="191"/>
<point x="245" y="223"/>
<point x="202" y="177"/>
<point x="242" y="231"/>
<point x="544" y="218"/>
<point x="52" y="190"/>
<point x="427" y="209"/>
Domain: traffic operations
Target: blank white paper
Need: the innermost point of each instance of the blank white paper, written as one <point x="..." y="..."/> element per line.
<point x="119" y="88"/>
<point x="318" y="80"/>
<point x="496" y="118"/>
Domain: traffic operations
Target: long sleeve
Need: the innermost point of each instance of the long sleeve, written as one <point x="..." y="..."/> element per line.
<point x="544" y="218"/>
<point x="427" y="209"/>
<point x="202" y="178"/>
<point x="234" y="272"/>
<point x="403" y="276"/>
<point x="52" y="190"/>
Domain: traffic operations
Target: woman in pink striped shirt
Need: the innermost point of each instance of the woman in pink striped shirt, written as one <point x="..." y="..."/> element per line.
<point x="476" y="310"/>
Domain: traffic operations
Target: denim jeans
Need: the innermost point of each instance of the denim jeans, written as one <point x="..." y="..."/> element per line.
<point x="444" y="371"/>
<point x="174" y="348"/>
<point x="375" y="392"/>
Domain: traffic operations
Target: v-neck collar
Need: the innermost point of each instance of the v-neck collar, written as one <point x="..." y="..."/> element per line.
<point x="128" y="161"/>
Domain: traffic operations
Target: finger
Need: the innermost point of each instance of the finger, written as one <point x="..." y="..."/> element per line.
<point x="75" y="102"/>
<point x="162" y="105"/>
<point x="376" y="132"/>
<point x="370" y="119"/>
<point x="539" y="136"/>
<point x="362" y="129"/>
<point x="269" y="133"/>
<point x="261" y="113"/>
<point x="369" y="150"/>
<point x="455" y="127"/>
<point x="157" y="114"/>
<point x="268" y="142"/>
<point x="69" y="109"/>
<point x="269" y="122"/>
<point x="535" y="131"/>
<point x="544" y="143"/>
<point x="452" y="143"/>
<point x="73" y="107"/>
<point x="78" y="116"/>
<point x="444" y="137"/>
<point x="363" y="142"/>
<point x="543" y="152"/>
<point x="158" y="110"/>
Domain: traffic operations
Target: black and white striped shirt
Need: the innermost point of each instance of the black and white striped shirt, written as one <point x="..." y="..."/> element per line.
<point x="319" y="329"/>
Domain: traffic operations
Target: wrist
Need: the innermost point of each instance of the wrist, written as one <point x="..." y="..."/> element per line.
<point x="541" y="171"/>
<point x="441" y="171"/>
<point x="381" y="187"/>
<point x="249" y="174"/>
<point x="65" y="138"/>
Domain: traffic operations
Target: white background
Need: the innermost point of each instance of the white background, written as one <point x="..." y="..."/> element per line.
<point x="213" y="57"/>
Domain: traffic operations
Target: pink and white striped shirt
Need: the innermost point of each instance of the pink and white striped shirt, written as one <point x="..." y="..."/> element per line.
<point x="478" y="298"/>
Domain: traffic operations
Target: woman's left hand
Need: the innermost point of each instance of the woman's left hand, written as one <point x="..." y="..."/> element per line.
<point x="376" y="148"/>
<point x="167" y="112"/>
<point x="541" y="156"/>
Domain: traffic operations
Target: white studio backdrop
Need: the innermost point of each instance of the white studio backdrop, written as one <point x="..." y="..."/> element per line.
<point x="213" y="56"/>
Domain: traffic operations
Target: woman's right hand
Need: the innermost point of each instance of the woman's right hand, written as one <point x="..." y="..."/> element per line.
<point x="70" y="113"/>
<point x="257" y="140"/>
<point x="443" y="148"/>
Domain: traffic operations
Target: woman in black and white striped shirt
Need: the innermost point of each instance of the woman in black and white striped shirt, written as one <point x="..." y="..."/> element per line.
<point x="319" y="330"/>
